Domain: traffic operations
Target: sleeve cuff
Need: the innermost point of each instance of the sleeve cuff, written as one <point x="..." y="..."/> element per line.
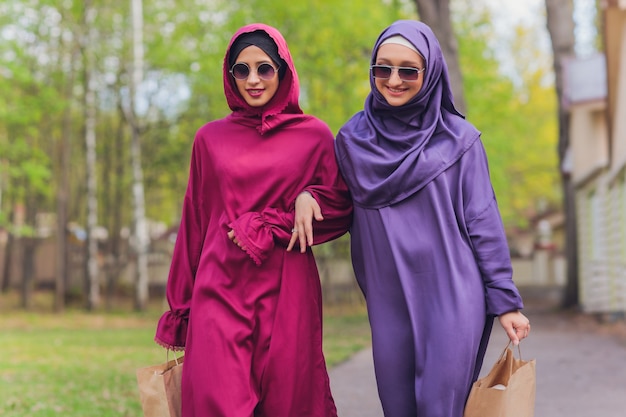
<point x="172" y="331"/>
<point x="503" y="300"/>
<point x="257" y="239"/>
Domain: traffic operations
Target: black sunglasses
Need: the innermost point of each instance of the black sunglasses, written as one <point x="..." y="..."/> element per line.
<point x="405" y="73"/>
<point x="265" y="71"/>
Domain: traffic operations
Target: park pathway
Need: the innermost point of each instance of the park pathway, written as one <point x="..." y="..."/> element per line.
<point x="581" y="368"/>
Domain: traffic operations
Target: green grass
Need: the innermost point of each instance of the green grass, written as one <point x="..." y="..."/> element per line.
<point x="80" y="364"/>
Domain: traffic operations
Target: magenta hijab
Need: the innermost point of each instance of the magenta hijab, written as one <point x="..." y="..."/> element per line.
<point x="388" y="153"/>
<point x="283" y="108"/>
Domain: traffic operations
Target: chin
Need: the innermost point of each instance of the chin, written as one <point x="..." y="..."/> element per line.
<point x="396" y="101"/>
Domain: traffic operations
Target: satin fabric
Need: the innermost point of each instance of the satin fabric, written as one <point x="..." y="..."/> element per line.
<point x="428" y="245"/>
<point x="250" y="321"/>
<point x="387" y="143"/>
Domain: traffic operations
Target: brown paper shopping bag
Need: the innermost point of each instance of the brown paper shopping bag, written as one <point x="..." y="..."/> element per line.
<point x="159" y="388"/>
<point x="508" y="390"/>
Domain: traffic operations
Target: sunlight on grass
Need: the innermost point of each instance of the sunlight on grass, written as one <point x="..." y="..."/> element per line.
<point x="80" y="364"/>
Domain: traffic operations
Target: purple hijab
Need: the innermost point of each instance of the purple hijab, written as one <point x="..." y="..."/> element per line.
<point x="388" y="153"/>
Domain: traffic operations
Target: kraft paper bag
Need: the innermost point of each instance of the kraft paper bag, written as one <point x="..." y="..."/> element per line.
<point x="508" y="390"/>
<point x="160" y="388"/>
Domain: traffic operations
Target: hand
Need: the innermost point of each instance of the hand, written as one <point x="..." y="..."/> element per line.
<point x="516" y="326"/>
<point x="231" y="236"/>
<point x="306" y="210"/>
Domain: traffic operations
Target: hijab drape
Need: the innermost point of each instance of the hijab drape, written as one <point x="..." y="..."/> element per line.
<point x="283" y="108"/>
<point x="388" y="153"/>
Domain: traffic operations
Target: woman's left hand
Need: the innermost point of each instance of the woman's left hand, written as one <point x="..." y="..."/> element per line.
<point x="516" y="325"/>
<point x="307" y="209"/>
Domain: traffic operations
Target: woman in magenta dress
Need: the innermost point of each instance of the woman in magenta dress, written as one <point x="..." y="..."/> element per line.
<point x="428" y="245"/>
<point x="246" y="310"/>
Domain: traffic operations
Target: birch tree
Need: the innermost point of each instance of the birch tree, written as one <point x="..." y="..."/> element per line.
<point x="91" y="247"/>
<point x="141" y="238"/>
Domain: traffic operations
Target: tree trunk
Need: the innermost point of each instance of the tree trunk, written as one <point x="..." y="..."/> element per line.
<point x="141" y="239"/>
<point x="8" y="259"/>
<point x="62" y="210"/>
<point x="436" y="14"/>
<point x="91" y="249"/>
<point x="115" y="198"/>
<point x="28" y="248"/>
<point x="560" y="22"/>
<point x="62" y="261"/>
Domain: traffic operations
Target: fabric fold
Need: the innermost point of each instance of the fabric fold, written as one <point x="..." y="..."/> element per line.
<point x="172" y="331"/>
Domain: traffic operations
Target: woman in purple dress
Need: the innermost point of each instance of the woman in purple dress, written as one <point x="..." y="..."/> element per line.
<point x="428" y="246"/>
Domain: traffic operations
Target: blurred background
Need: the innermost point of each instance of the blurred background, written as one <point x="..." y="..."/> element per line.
<point x="100" y="102"/>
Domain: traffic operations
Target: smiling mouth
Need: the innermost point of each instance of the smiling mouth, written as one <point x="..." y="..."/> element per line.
<point x="255" y="93"/>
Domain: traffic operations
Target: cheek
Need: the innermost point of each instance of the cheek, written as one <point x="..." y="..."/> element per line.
<point x="418" y="86"/>
<point x="380" y="84"/>
<point x="241" y="87"/>
<point x="275" y="84"/>
<point x="420" y="83"/>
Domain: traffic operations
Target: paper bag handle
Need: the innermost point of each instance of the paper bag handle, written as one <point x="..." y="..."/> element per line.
<point x="519" y="350"/>
<point x="167" y="357"/>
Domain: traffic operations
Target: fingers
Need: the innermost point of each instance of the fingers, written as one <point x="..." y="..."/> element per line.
<point x="293" y="240"/>
<point x="297" y="236"/>
<point x="317" y="212"/>
<point x="517" y="334"/>
<point x="231" y="236"/>
<point x="307" y="209"/>
<point x="522" y="332"/>
<point x="306" y="237"/>
<point x="516" y="325"/>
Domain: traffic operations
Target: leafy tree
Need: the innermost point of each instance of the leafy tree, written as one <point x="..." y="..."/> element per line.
<point x="518" y="129"/>
<point x="42" y="150"/>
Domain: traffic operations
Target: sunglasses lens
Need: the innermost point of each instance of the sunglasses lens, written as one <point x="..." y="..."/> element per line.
<point x="240" y="71"/>
<point x="266" y="71"/>
<point x="381" y="71"/>
<point x="408" y="74"/>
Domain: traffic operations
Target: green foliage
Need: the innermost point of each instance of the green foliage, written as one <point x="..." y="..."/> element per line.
<point x="518" y="123"/>
<point x="41" y="77"/>
<point x="331" y="43"/>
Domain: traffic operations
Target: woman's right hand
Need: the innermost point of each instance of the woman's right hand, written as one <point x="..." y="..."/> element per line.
<point x="307" y="209"/>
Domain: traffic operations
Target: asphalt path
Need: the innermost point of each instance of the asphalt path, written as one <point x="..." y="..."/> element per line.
<point x="580" y="365"/>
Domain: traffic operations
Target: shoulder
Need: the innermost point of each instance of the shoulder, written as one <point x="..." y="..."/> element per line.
<point x="476" y="152"/>
<point x="316" y="123"/>
<point x="214" y="125"/>
<point x="356" y="123"/>
<point x="356" y="120"/>
<point x="214" y="128"/>
<point x="310" y="127"/>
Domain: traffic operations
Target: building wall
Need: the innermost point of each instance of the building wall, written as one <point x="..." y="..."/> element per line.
<point x="601" y="192"/>
<point x="616" y="235"/>
<point x="589" y="140"/>
<point x="617" y="88"/>
<point x="594" y="279"/>
<point x="615" y="47"/>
